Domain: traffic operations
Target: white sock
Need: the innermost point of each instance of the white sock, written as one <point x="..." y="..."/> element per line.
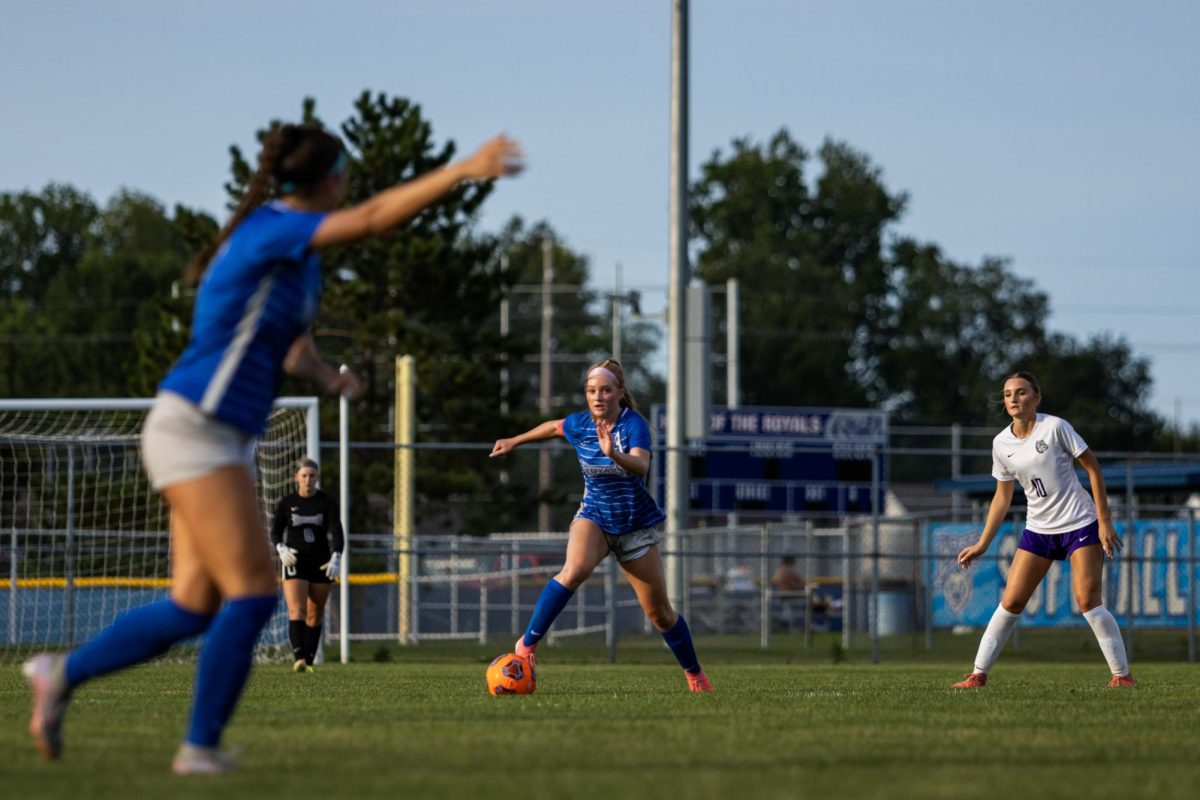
<point x="994" y="638"/>
<point x="1108" y="634"/>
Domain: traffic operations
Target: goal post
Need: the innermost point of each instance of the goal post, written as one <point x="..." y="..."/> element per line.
<point x="83" y="537"/>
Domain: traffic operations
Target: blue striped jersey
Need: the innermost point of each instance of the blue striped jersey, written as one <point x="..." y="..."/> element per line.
<point x="259" y="294"/>
<point x="614" y="499"/>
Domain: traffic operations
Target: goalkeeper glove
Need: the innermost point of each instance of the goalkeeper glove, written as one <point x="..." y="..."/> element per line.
<point x="287" y="555"/>
<point x="332" y="566"/>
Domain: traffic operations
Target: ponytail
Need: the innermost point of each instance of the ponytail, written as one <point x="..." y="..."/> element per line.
<point x="256" y="192"/>
<point x="613" y="366"/>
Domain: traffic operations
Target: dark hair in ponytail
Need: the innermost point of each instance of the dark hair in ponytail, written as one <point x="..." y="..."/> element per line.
<point x="296" y="158"/>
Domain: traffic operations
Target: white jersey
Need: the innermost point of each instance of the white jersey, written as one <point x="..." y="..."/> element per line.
<point x="1044" y="463"/>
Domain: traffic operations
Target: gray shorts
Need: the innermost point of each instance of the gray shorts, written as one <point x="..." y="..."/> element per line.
<point x="181" y="443"/>
<point x="632" y="546"/>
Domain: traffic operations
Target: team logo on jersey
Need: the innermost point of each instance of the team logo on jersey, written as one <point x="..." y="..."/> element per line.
<point x="591" y="471"/>
<point x="1041" y="446"/>
<point x="309" y="537"/>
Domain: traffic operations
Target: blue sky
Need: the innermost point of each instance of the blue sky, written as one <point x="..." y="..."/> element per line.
<point x="1062" y="135"/>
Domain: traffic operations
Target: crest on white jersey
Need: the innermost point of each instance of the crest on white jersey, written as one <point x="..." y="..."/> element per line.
<point x="1042" y="446"/>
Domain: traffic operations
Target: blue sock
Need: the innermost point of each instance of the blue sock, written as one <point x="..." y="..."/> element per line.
<point x="225" y="665"/>
<point x="679" y="639"/>
<point x="133" y="637"/>
<point x="550" y="604"/>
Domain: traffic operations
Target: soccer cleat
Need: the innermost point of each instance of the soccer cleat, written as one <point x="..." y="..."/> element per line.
<point x="193" y="759"/>
<point x="1122" y="680"/>
<point x="47" y="676"/>
<point x="974" y="680"/>
<point x="300" y="666"/>
<point x="527" y="651"/>
<point x="698" y="682"/>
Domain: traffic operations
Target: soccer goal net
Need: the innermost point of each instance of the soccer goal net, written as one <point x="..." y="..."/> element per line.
<point x="83" y="537"/>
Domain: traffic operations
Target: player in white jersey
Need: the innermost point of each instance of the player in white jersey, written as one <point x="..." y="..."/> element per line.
<point x="258" y="295"/>
<point x="1062" y="523"/>
<point x="617" y="515"/>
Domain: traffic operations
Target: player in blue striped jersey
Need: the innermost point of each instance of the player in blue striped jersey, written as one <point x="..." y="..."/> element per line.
<point x="617" y="514"/>
<point x="258" y="297"/>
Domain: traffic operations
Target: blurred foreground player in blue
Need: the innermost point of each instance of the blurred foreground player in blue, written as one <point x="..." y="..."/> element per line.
<point x="1062" y="524"/>
<point x="256" y="302"/>
<point x="617" y="515"/>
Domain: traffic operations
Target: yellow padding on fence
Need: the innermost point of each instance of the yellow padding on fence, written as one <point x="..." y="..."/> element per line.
<point x="369" y="579"/>
<point x="89" y="583"/>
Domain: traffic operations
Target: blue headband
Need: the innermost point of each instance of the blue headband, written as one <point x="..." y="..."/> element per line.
<point x="339" y="166"/>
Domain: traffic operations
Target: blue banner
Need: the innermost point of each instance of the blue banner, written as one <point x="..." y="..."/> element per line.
<point x="1151" y="578"/>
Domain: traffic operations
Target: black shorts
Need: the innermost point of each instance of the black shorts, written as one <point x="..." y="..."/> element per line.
<point x="308" y="568"/>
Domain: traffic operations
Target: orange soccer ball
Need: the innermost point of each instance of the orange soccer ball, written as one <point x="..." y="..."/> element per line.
<point x="511" y="674"/>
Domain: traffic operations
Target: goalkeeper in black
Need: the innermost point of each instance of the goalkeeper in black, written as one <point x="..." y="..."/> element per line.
<point x="307" y="533"/>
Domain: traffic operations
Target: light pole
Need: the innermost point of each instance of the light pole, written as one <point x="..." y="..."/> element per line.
<point x="677" y="468"/>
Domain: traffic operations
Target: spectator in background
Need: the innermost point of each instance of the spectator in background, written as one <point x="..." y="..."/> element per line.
<point x="786" y="580"/>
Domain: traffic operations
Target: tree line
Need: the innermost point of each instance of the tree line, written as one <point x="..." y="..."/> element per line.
<point x="838" y="311"/>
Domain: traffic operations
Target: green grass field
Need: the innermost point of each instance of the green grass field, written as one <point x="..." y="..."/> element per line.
<point x="791" y="722"/>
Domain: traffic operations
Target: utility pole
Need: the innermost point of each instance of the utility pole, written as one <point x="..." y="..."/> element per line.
<point x="677" y="467"/>
<point x="733" y="393"/>
<point x="504" y="331"/>
<point x="544" y="393"/>
<point x="504" y="374"/>
<point x="618" y="305"/>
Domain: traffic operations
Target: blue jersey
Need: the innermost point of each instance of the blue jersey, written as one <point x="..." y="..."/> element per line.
<point x="614" y="499"/>
<point x="259" y="294"/>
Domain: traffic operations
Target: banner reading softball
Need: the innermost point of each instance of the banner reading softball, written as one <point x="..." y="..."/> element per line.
<point x="1151" y="577"/>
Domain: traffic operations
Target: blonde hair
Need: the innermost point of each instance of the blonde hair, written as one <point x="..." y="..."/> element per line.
<point x="614" y="366"/>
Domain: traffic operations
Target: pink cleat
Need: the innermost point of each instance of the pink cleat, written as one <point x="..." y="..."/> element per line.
<point x="975" y="680"/>
<point x="526" y="651"/>
<point x="1122" y="680"/>
<point x="47" y="676"/>
<point x="698" y="682"/>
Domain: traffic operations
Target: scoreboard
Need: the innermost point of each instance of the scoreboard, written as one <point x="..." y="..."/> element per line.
<point x="760" y="461"/>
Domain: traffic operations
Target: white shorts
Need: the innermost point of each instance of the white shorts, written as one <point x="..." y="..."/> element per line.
<point x="181" y="443"/>
<point x="634" y="545"/>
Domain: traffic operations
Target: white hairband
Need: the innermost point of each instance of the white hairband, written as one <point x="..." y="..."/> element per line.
<point x="606" y="373"/>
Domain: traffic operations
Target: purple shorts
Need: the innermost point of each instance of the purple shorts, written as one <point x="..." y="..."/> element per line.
<point x="1059" y="546"/>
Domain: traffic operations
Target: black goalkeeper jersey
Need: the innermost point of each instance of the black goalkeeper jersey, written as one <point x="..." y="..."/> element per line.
<point x="309" y="524"/>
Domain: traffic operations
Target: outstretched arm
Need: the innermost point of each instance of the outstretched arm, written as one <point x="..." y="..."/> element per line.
<point x="499" y="157"/>
<point x="547" y="430"/>
<point x="996" y="514"/>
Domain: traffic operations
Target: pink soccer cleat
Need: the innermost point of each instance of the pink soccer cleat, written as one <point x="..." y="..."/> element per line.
<point x="974" y="680"/>
<point x="47" y="676"/>
<point x="526" y="651"/>
<point x="698" y="682"/>
<point x="1122" y="680"/>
